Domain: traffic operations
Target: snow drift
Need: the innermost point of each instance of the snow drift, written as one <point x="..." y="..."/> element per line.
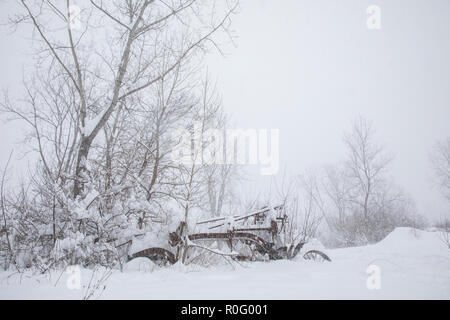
<point x="413" y="240"/>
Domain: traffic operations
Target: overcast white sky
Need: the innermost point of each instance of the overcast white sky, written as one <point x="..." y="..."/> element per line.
<point x="309" y="67"/>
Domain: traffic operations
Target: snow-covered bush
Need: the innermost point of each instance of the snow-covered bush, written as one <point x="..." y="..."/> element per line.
<point x="443" y="227"/>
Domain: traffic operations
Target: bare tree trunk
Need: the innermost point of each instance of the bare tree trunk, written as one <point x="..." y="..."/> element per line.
<point x="2" y="199"/>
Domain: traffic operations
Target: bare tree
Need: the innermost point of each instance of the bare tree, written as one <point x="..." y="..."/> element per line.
<point x="301" y="209"/>
<point x="144" y="41"/>
<point x="107" y="89"/>
<point x="219" y="175"/>
<point x="365" y="165"/>
<point x="194" y="173"/>
<point x="5" y="230"/>
<point x="441" y="165"/>
<point x="361" y="204"/>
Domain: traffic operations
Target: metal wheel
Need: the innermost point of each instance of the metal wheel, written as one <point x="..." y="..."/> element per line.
<point x="316" y="255"/>
<point x="160" y="256"/>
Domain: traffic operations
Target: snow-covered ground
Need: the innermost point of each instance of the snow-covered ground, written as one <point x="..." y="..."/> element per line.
<point x="413" y="264"/>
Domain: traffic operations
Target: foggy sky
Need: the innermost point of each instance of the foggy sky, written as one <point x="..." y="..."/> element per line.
<point x="310" y="67"/>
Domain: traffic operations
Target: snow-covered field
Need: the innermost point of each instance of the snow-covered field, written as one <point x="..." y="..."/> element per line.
<point x="413" y="264"/>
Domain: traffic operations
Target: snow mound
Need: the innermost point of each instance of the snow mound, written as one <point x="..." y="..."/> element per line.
<point x="412" y="240"/>
<point x="141" y="265"/>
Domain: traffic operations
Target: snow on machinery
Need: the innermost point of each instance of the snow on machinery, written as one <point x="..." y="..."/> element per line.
<point x="251" y="237"/>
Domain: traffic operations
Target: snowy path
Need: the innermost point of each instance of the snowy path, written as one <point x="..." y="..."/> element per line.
<point x="414" y="265"/>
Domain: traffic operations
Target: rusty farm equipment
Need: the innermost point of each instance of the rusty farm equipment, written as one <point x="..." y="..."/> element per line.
<point x="251" y="237"/>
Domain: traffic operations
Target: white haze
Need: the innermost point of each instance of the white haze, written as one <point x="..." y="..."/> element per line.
<point x="311" y="67"/>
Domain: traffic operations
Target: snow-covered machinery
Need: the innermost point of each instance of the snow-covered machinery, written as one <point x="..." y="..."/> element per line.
<point x="250" y="237"/>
